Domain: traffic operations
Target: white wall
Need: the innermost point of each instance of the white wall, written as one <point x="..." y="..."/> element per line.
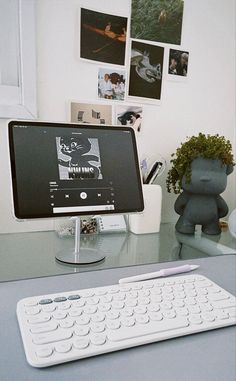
<point x="205" y="103"/>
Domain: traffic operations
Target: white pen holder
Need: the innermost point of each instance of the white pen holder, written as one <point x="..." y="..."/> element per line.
<point x="149" y="220"/>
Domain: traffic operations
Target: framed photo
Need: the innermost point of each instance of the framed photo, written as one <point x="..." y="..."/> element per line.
<point x="157" y="20"/>
<point x="129" y="115"/>
<point x="146" y="71"/>
<point x="178" y="64"/>
<point x="102" y="37"/>
<point x="111" y="84"/>
<point x="90" y="113"/>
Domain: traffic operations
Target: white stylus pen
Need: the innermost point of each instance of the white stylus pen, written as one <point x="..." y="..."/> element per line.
<point x="161" y="273"/>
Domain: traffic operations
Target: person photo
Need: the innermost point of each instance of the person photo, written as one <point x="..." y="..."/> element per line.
<point x="111" y="84"/>
<point x="178" y="63"/>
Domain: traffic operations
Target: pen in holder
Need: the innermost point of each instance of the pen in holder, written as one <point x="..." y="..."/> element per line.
<point x="149" y="220"/>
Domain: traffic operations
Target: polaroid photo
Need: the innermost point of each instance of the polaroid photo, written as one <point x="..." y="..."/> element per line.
<point x="90" y="113"/>
<point x="145" y="72"/>
<point x="130" y="116"/>
<point x="157" y="20"/>
<point x="111" y="84"/>
<point x="102" y="37"/>
<point x="178" y="65"/>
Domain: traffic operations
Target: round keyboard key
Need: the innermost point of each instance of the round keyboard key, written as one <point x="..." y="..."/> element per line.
<point x="66" y="323"/>
<point x="169" y="297"/>
<point x="100" y="291"/>
<point x="73" y="297"/>
<point x="178" y="303"/>
<point x="153" y="307"/>
<point x="98" y="327"/>
<point x="127" y="312"/>
<point x="64" y="305"/>
<point x="106" y="299"/>
<point x="112" y="315"/>
<point x="90" y="309"/>
<point x="113" y="290"/>
<point x="81" y="343"/>
<point x="143" y="293"/>
<point x="190" y="301"/>
<point x="128" y="321"/>
<point x="166" y="305"/>
<point x="78" y="303"/>
<point x="83" y="320"/>
<point x="60" y="299"/>
<point x="124" y="288"/>
<point x="131" y="295"/>
<point x="140" y="310"/>
<point x="167" y="289"/>
<point x="44" y="352"/>
<point x="113" y="324"/>
<point x="131" y="302"/>
<point x="144" y="301"/>
<point x="104" y="307"/>
<point x="202" y="299"/>
<point x="206" y="307"/>
<point x="118" y="305"/>
<point x="120" y="296"/>
<point x="63" y="347"/>
<point x="208" y="316"/>
<point x="136" y="286"/>
<point x="58" y="315"/>
<point x="191" y="293"/>
<point x="169" y="314"/>
<point x="156" y="316"/>
<point x="156" y="299"/>
<point x="202" y="291"/>
<point x="156" y="291"/>
<point x="75" y="312"/>
<point x="179" y="287"/>
<point x="32" y="310"/>
<point x="30" y="303"/>
<point x="48" y="308"/>
<point x="194" y="309"/>
<point x="98" y="317"/>
<point x="93" y="301"/>
<point x="45" y="301"/>
<point x="142" y="319"/>
<point x="98" y="339"/>
<point x="195" y="319"/>
<point x="180" y="295"/>
<point x="81" y="330"/>
<point x="182" y="311"/>
<point x="148" y="285"/>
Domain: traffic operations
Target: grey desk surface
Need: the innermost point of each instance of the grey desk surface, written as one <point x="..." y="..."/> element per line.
<point x="208" y="356"/>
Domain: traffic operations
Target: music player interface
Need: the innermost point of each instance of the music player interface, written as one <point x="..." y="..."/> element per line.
<point x="66" y="169"/>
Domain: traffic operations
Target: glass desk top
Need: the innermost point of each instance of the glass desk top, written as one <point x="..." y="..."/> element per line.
<point x="32" y="255"/>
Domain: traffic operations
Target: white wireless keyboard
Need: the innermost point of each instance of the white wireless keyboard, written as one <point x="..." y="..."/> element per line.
<point x="69" y="326"/>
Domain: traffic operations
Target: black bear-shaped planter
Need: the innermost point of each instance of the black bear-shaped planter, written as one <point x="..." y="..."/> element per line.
<point x="200" y="202"/>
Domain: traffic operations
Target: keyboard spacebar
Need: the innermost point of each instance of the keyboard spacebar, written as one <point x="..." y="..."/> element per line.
<point x="146" y="329"/>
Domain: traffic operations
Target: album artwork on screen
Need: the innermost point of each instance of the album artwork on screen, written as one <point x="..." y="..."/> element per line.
<point x="78" y="158"/>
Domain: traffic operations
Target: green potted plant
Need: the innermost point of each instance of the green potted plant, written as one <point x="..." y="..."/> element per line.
<point x="199" y="169"/>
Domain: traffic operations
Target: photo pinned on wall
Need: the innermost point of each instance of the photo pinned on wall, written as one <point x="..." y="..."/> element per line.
<point x="178" y="64"/>
<point x="157" y="20"/>
<point x="90" y="113"/>
<point x="146" y="70"/>
<point x="111" y="84"/>
<point x="130" y="116"/>
<point x="102" y="37"/>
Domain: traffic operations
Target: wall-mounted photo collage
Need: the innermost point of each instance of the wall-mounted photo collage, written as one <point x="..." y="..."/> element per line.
<point x="131" y="58"/>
